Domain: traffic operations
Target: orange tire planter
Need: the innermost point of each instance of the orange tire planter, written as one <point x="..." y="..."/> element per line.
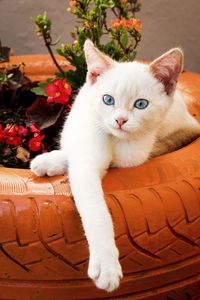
<point x="156" y="213"/>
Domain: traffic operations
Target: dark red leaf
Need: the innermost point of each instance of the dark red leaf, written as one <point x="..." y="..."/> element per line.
<point x="43" y="114"/>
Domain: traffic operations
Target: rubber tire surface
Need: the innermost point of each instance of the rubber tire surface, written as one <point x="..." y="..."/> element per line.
<point x="156" y="213"/>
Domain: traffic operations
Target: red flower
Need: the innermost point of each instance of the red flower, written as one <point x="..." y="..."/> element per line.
<point x="7" y="128"/>
<point x="33" y="128"/>
<point x="58" y="91"/>
<point x="51" y="90"/>
<point x="11" y="129"/>
<point x="2" y="134"/>
<point x="14" y="140"/>
<point x="22" y="131"/>
<point x="35" y="143"/>
<point x="12" y="134"/>
<point x="2" y="137"/>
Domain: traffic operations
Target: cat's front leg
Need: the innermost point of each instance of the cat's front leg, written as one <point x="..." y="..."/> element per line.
<point x="104" y="267"/>
<point x="50" y="164"/>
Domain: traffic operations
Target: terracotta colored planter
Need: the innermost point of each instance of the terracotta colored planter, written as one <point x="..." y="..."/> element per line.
<point x="156" y="213"/>
<point x="38" y="67"/>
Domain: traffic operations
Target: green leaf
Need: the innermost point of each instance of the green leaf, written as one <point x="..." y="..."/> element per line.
<point x="40" y="89"/>
<point x="82" y="36"/>
<point x="56" y="41"/>
<point x="124" y="39"/>
<point x="132" y="55"/>
<point x="111" y="50"/>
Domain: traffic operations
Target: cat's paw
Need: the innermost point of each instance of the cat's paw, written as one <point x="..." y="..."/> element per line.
<point x="50" y="164"/>
<point x="105" y="271"/>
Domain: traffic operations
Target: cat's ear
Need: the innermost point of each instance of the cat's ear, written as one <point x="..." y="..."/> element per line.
<point x="167" y="69"/>
<point x="97" y="62"/>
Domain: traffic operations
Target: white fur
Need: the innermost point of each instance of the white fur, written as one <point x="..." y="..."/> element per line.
<point x="91" y="142"/>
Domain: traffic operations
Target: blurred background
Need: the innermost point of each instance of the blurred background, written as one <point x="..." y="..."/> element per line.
<point x="166" y="24"/>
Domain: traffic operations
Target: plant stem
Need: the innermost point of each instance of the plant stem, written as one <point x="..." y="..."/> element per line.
<point x="52" y="56"/>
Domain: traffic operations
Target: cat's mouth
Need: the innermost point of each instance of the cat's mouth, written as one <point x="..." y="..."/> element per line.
<point x="121" y="129"/>
<point x="120" y="132"/>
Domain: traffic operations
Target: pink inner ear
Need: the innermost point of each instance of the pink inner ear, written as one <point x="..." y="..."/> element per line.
<point x="97" y="69"/>
<point x="92" y="76"/>
<point x="168" y="76"/>
<point x="97" y="62"/>
<point x="167" y="68"/>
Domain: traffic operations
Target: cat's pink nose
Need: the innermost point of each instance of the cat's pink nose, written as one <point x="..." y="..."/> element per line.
<point x="121" y="121"/>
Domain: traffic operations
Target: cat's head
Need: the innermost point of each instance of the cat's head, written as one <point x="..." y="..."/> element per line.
<point x="131" y="98"/>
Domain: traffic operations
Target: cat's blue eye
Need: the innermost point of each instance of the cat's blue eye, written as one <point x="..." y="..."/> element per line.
<point x="141" y="103"/>
<point x="108" y="100"/>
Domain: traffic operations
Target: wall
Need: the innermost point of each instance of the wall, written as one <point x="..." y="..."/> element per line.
<point x="166" y="24"/>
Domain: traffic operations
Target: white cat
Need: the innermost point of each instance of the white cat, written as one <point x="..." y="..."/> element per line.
<point x="124" y="113"/>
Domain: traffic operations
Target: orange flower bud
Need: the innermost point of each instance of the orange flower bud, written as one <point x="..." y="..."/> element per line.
<point x="138" y="25"/>
<point x="73" y="3"/>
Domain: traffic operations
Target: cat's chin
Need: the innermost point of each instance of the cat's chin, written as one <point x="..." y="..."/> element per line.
<point x="120" y="133"/>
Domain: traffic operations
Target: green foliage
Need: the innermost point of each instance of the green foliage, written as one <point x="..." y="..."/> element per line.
<point x="122" y="34"/>
<point x="40" y="89"/>
<point x="124" y="38"/>
<point x="43" y="25"/>
<point x="4" y="77"/>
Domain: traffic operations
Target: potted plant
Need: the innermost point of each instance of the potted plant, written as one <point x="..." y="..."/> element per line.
<point x="30" y="131"/>
<point x="154" y="207"/>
